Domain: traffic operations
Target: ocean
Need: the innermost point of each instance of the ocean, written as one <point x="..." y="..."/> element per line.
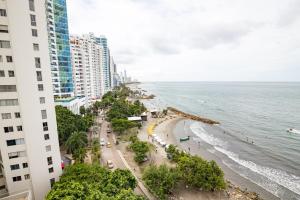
<point x="252" y="137"/>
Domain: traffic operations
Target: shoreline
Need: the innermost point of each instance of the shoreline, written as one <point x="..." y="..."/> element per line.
<point x="237" y="181"/>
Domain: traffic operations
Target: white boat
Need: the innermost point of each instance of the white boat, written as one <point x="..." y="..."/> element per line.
<point x="292" y="130"/>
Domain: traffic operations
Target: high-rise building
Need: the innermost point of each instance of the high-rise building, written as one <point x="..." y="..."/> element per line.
<point x="30" y="159"/>
<point x="87" y="57"/>
<point x="59" y="47"/>
<point x="106" y="75"/>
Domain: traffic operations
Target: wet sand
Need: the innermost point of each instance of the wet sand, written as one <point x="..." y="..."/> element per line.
<point x="175" y="130"/>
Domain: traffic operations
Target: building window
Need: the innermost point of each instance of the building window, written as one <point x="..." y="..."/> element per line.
<point x="9" y="59"/>
<point x="37" y="62"/>
<point x="44" y="114"/>
<point x="3" y="28"/>
<point x="8" y="129"/>
<point x="45" y="126"/>
<point x="42" y="100"/>
<point x="40" y="87"/>
<point x="49" y="160"/>
<point x="27" y="176"/>
<point x="16" y="154"/>
<point x="31" y="5"/>
<point x="46" y="136"/>
<point x="25" y="165"/>
<point x="8" y="88"/>
<point x="15" y="167"/>
<point x="11" y="73"/>
<point x="36" y="47"/>
<point x="3" y="13"/>
<point x="51" y="170"/>
<point x="17" y="115"/>
<point x="6" y="116"/>
<point x="2" y="73"/>
<point x="4" y="44"/>
<point x="48" y="148"/>
<point x="19" y="128"/>
<point x="9" y="102"/>
<point x="34" y="32"/>
<point x="15" y="142"/>
<point x="33" y="20"/>
<point x="17" y="178"/>
<point x="39" y="76"/>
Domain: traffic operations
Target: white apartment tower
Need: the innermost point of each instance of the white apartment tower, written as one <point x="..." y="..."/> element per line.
<point x="30" y="159"/>
<point x="86" y="56"/>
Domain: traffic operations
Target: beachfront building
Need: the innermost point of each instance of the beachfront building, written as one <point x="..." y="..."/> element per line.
<point x="30" y="159"/>
<point x="115" y="78"/>
<point x="59" y="47"/>
<point x="60" y="56"/>
<point x="87" y="57"/>
<point x="105" y="59"/>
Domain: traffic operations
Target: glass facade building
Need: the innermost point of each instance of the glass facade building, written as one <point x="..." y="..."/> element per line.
<point x="59" y="45"/>
<point x="102" y="41"/>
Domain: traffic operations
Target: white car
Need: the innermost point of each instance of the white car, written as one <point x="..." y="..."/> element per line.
<point x="163" y="144"/>
<point x="102" y="142"/>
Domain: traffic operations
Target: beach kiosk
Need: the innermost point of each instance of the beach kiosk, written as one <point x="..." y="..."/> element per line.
<point x="144" y="116"/>
<point x="135" y="119"/>
<point x="154" y="113"/>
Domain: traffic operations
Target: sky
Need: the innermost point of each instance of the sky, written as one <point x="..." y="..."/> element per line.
<point x="196" y="40"/>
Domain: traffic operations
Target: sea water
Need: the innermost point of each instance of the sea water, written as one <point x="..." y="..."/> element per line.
<point x="252" y="136"/>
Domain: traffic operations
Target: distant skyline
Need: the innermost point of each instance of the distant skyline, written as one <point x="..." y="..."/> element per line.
<point x="196" y="40"/>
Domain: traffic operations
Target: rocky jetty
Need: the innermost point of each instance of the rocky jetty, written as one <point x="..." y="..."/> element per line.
<point x="192" y="117"/>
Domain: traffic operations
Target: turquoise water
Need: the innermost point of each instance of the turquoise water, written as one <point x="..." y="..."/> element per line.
<point x="254" y="118"/>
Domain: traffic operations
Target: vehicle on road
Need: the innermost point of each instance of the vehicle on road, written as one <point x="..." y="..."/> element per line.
<point x="110" y="164"/>
<point x="102" y="142"/>
<point x="108" y="145"/>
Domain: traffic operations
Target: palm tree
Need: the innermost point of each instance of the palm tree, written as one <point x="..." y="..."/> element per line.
<point x="79" y="155"/>
<point x="76" y="141"/>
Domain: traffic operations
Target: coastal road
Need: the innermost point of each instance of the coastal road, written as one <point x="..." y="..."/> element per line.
<point x="112" y="153"/>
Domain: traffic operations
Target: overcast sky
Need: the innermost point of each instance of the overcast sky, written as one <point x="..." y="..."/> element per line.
<point x="196" y="40"/>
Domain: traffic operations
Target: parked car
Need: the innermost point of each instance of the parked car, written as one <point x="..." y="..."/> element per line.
<point x="110" y="164"/>
<point x="102" y="142"/>
<point x="108" y="131"/>
<point x="108" y="145"/>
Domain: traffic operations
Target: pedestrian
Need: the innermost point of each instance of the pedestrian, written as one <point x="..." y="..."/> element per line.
<point x="199" y="144"/>
<point x="189" y="149"/>
<point x="167" y="135"/>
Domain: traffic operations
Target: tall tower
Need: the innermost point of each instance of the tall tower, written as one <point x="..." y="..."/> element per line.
<point x="30" y="158"/>
<point x="59" y="47"/>
<point x="106" y="75"/>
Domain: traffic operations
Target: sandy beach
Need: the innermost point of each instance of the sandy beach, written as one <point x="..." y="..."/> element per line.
<point x="172" y="129"/>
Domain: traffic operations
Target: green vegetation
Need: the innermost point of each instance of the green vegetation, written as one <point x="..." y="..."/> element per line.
<point x="119" y="109"/>
<point x="68" y="123"/>
<point x="96" y="151"/>
<point x="201" y="173"/>
<point x="160" y="180"/>
<point x="92" y="182"/>
<point x="140" y="149"/>
<point x="197" y="172"/>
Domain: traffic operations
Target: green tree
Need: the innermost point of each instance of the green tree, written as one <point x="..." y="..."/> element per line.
<point x="160" y="180"/>
<point x="82" y="110"/>
<point x="93" y="182"/>
<point x="71" y="190"/>
<point x="140" y="148"/>
<point x="76" y="141"/>
<point x="121" y="125"/>
<point x="200" y="173"/>
<point x="79" y="155"/>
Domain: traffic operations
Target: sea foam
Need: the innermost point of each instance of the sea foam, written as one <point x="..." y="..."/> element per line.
<point x="279" y="177"/>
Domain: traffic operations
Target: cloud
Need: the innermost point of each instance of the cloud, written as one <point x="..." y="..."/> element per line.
<point x="211" y="40"/>
<point x="290" y="15"/>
